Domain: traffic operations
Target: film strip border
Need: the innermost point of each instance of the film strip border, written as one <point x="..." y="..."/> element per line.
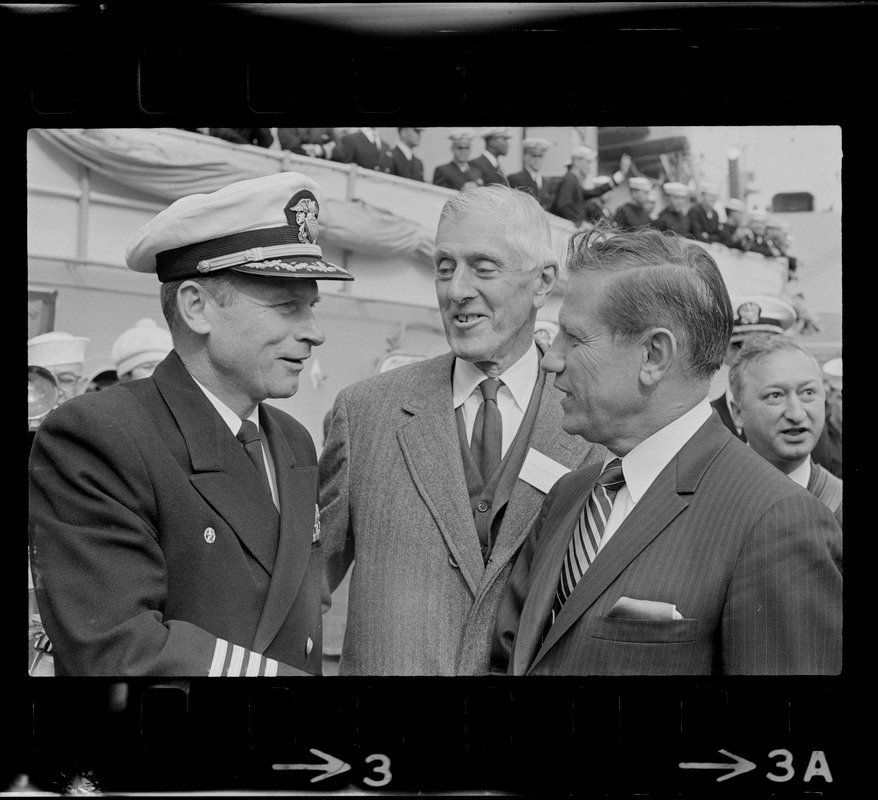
<point x="615" y="737"/>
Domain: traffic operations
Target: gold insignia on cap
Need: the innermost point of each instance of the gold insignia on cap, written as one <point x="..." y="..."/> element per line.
<point x="306" y="218"/>
<point x="749" y="313"/>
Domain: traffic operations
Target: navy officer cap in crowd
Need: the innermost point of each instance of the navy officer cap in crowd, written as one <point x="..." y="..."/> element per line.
<point x="762" y="314"/>
<point x="264" y="226"/>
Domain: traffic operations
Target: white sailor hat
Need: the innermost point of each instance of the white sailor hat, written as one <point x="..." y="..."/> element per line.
<point x="264" y="226"/>
<point x="674" y="189"/>
<point x="761" y="314"/>
<point x="536" y="145"/>
<point x="461" y="136"/>
<point x="640" y="184"/>
<point x="55" y="349"/>
<point x="583" y="152"/>
<point x="832" y="372"/>
<point x="144" y="343"/>
<point x="734" y="204"/>
<point x="500" y="133"/>
<point x="758" y="215"/>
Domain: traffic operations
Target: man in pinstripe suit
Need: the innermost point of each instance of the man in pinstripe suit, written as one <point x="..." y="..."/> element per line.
<point x="696" y="556"/>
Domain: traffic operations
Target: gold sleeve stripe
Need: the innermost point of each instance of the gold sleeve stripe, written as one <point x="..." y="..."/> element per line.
<point x="219" y="659"/>
<point x="234" y="669"/>
<point x="253" y="664"/>
<point x="270" y="668"/>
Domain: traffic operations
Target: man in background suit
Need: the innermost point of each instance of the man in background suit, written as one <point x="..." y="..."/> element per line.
<point x="488" y="163"/>
<point x="530" y="179"/>
<point x="685" y="553"/>
<point x="430" y="480"/>
<point x="401" y="160"/>
<point x="753" y="315"/>
<point x="458" y="173"/>
<point x="780" y="403"/>
<point x="363" y="147"/>
<point x="173" y="519"/>
<point x="571" y="197"/>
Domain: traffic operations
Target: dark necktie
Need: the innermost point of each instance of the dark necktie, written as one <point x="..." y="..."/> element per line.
<point x="487" y="439"/>
<point x="248" y="436"/>
<point x="586" y="539"/>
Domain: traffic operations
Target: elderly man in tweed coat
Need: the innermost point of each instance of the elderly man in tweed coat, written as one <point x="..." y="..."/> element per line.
<point x="422" y="490"/>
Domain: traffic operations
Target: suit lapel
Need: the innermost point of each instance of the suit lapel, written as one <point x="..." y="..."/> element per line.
<point x="431" y="450"/>
<point x="297" y="491"/>
<point x="221" y="471"/>
<point x="665" y="499"/>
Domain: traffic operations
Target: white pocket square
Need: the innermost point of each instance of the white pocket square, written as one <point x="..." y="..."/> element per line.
<point x="629" y="608"/>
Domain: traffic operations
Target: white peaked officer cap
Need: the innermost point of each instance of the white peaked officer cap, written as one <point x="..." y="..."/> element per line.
<point x="264" y="226"/>
<point x="640" y="184"/>
<point x="583" y="152"/>
<point x="761" y="314"/>
<point x="143" y="343"/>
<point x="461" y="136"/>
<point x="536" y="145"/>
<point x="674" y="189"/>
<point x="734" y="204"/>
<point x="758" y="215"/>
<point x="56" y="348"/>
<point x="832" y="371"/>
<point x="500" y="133"/>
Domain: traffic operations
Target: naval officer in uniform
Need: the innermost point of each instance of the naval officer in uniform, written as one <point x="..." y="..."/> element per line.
<point x="173" y="526"/>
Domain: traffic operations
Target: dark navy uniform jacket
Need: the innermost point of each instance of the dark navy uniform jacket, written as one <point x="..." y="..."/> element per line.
<point x="155" y="545"/>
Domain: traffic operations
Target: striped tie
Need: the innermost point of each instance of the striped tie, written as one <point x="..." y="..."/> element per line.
<point x="586" y="538"/>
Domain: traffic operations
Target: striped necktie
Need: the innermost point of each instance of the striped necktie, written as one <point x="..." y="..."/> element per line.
<point x="487" y="440"/>
<point x="586" y="539"/>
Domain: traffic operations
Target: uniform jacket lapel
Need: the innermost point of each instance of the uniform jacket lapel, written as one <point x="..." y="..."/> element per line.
<point x="296" y="489"/>
<point x="665" y="499"/>
<point x="430" y="446"/>
<point x="221" y="471"/>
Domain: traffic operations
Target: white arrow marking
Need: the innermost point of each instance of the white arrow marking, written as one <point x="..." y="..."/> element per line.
<point x="333" y="766"/>
<point x="740" y="766"/>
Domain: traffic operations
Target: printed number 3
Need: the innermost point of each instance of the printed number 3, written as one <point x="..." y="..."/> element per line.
<point x="384" y="770"/>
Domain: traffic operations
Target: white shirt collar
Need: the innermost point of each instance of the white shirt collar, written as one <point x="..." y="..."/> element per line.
<point x="370" y="134"/>
<point x="229" y="417"/>
<point x="802" y="473"/>
<point x="644" y="463"/>
<point x="520" y="378"/>
<point x="491" y="157"/>
<point x="406" y="151"/>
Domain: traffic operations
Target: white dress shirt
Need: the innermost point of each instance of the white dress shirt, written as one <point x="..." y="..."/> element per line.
<point x="644" y="463"/>
<point x="512" y="398"/>
<point x="538" y="178"/>
<point x="491" y="157"/>
<point x="234" y="422"/>
<point x="802" y="473"/>
<point x="406" y="151"/>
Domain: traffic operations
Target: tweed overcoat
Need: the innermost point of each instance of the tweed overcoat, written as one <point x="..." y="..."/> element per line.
<point x="394" y="502"/>
<point x="147" y="533"/>
<point x="750" y="559"/>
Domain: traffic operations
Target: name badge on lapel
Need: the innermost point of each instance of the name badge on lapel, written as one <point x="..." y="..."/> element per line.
<point x="316" y="536"/>
<point x="540" y="471"/>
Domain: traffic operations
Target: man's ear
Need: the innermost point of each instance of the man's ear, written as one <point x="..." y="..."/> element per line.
<point x="660" y="353"/>
<point x="548" y="278"/>
<point x="192" y="304"/>
<point x="737" y="418"/>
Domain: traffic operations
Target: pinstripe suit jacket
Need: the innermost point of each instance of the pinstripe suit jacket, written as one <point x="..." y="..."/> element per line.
<point x="394" y="501"/>
<point x="750" y="559"/>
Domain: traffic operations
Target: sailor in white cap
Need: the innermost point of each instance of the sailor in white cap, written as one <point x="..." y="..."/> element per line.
<point x="755" y="314"/>
<point x="137" y="351"/>
<point x="732" y="231"/>
<point x="488" y="163"/>
<point x="828" y="452"/>
<point x="574" y="189"/>
<point x="703" y="218"/>
<point x="530" y="179"/>
<point x="174" y="526"/>
<point x="675" y="215"/>
<point x="458" y="174"/>
<point x="63" y="355"/>
<point x="756" y="239"/>
<point x="635" y="213"/>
